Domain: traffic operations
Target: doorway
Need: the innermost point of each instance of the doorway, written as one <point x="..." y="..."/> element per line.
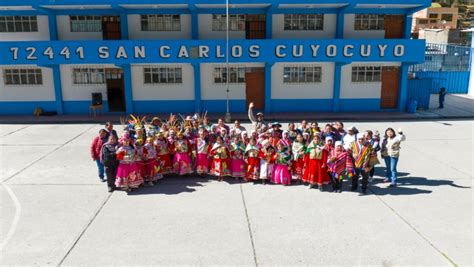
<point x="115" y="90"/>
<point x="394" y="26"/>
<point x="255" y="87"/>
<point x="390" y="87"/>
<point x="111" y="28"/>
<point x="255" y="27"/>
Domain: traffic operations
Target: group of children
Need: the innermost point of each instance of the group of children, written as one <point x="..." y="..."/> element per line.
<point x="146" y="152"/>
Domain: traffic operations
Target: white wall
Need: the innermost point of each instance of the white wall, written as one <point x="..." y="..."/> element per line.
<point x="44" y="92"/>
<point x="351" y="89"/>
<point x="64" y="31"/>
<point x="328" y="32"/>
<point x="350" y="33"/>
<point x="142" y="91"/>
<point x="41" y="35"/>
<point x="80" y="92"/>
<point x="205" y="30"/>
<point x="211" y="90"/>
<point x="322" y="90"/>
<point x="135" y="32"/>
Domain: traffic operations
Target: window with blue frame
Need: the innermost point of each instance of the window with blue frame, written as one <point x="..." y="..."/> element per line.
<point x="86" y="23"/>
<point x="160" y="22"/>
<point x="302" y="74"/>
<point x="236" y="22"/>
<point x="369" y="22"/>
<point x="32" y="76"/>
<point x="304" y="22"/>
<point x="18" y="24"/>
<point x="163" y="75"/>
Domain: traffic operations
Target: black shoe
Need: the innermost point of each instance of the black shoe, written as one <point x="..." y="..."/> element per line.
<point x="353" y="189"/>
<point x="111" y="189"/>
<point x="102" y="179"/>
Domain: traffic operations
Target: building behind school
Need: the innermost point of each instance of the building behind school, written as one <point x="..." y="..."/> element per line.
<point x="158" y="56"/>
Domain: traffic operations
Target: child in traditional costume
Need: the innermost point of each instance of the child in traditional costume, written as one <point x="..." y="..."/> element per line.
<point x="128" y="174"/>
<point x="281" y="173"/>
<point x="182" y="163"/>
<point x="152" y="165"/>
<point x="316" y="169"/>
<point x="361" y="151"/>
<point x="237" y="150"/>
<point x="266" y="161"/>
<point x="220" y="165"/>
<point x="340" y="166"/>
<point x="298" y="151"/>
<point x="252" y="160"/>
<point x="202" y="151"/>
<point x="163" y="153"/>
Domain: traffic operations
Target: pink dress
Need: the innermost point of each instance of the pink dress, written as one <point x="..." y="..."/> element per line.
<point x="182" y="163"/>
<point x="202" y="161"/>
<point x="128" y="173"/>
<point x="152" y="165"/>
<point x="237" y="162"/>
<point x="281" y="174"/>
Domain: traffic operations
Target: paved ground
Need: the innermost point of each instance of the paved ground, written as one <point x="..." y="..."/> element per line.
<point x="456" y="107"/>
<point x="54" y="211"/>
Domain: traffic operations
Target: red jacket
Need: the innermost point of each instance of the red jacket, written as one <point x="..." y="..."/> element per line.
<point x="96" y="146"/>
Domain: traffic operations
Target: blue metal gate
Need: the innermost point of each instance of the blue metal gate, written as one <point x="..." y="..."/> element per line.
<point x="445" y="66"/>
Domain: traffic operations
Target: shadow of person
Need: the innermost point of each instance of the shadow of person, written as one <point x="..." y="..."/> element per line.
<point x="399" y="190"/>
<point x="380" y="171"/>
<point x="172" y="186"/>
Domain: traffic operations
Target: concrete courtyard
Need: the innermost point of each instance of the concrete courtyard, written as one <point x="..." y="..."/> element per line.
<point x="55" y="211"/>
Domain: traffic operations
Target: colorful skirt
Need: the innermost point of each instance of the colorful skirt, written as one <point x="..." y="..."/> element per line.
<point x="298" y="169"/>
<point x="281" y="174"/>
<point x="315" y="173"/>
<point x="152" y="170"/>
<point x="238" y="168"/>
<point x="182" y="164"/>
<point x="167" y="166"/>
<point x="128" y="175"/>
<point x="266" y="170"/>
<point x="253" y="169"/>
<point x="220" y="167"/>
<point x="202" y="164"/>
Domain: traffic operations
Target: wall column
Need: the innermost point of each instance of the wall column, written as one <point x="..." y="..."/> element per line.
<point x="58" y="91"/>
<point x="197" y="87"/>
<point x="268" y="87"/>
<point x="194" y="25"/>
<point x="269" y="25"/>
<point x="127" y="79"/>
<point x="471" y="74"/>
<point x="124" y="25"/>
<point x="336" y="96"/>
<point x="402" y="98"/>
<point x="340" y="25"/>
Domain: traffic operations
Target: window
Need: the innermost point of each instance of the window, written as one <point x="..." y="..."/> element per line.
<point x="86" y="23"/>
<point x="432" y="21"/>
<point x="161" y="22"/>
<point x="236" y="22"/>
<point x="365" y="22"/>
<point x="433" y="16"/>
<point x="163" y="75"/>
<point x="22" y="77"/>
<point x="304" y="22"/>
<point x="84" y="76"/>
<point x="18" y="24"/>
<point x="302" y="74"/>
<point x="447" y="17"/>
<point x="423" y="21"/>
<point x="366" y="74"/>
<point x="236" y="75"/>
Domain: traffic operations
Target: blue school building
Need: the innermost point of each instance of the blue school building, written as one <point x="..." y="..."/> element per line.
<point x="161" y="56"/>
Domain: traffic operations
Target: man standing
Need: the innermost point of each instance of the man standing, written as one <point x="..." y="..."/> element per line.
<point x="108" y="157"/>
<point x="361" y="150"/>
<point x="258" y="122"/>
